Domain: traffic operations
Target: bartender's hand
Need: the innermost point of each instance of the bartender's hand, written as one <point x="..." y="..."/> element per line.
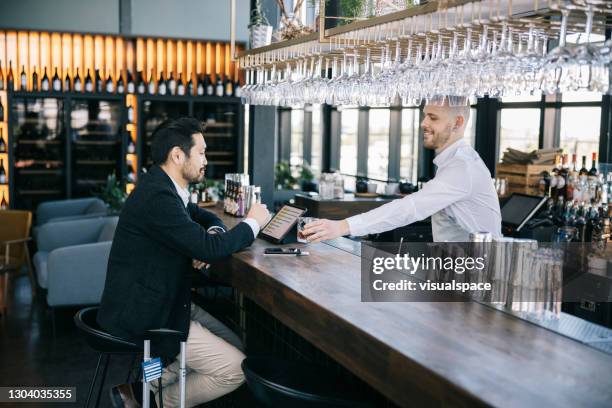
<point x="260" y="213"/>
<point x="321" y="230"/>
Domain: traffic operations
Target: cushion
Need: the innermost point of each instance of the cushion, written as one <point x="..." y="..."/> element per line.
<point x="108" y="230"/>
<point x="40" y="264"/>
<point x="97" y="206"/>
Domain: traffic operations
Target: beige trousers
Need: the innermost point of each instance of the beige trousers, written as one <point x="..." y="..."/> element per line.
<point x="213" y="356"/>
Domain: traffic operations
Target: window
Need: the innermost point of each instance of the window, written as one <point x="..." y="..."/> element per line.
<point x="470" y="128"/>
<point x="297" y="137"/>
<point x="348" y="141"/>
<point x="378" y="144"/>
<point x="316" y="160"/>
<point x="580" y="130"/>
<point x="519" y="129"/>
<point x="409" y="144"/>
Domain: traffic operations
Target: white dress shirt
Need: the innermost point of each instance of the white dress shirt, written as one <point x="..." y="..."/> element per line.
<point x="461" y="199"/>
<point x="184" y="194"/>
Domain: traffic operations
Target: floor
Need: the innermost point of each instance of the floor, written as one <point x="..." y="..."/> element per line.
<point x="29" y="356"/>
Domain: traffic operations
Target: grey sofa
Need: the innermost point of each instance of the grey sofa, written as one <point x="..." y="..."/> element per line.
<point x="66" y="210"/>
<point x="72" y="258"/>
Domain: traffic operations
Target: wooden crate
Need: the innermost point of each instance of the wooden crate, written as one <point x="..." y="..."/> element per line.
<point x="523" y="178"/>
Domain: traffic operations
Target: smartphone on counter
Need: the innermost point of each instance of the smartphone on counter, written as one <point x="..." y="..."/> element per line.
<point x="284" y="251"/>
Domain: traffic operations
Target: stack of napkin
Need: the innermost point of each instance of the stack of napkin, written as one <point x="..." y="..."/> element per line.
<point x="541" y="156"/>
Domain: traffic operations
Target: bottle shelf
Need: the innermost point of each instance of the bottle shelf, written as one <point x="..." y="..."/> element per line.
<point x="21" y="163"/>
<point x="96" y="162"/>
<point x="96" y="142"/>
<point x="39" y="172"/>
<point x="41" y="192"/>
<point x="35" y="142"/>
<point x="222" y="162"/>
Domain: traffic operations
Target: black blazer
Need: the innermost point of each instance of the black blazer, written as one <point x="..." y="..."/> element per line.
<point x="148" y="280"/>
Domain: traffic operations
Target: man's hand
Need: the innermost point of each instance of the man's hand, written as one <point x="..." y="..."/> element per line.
<point x="259" y="213"/>
<point x="321" y="230"/>
<point x="199" y="265"/>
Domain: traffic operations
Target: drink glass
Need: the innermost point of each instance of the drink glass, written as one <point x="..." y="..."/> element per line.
<point x="301" y="223"/>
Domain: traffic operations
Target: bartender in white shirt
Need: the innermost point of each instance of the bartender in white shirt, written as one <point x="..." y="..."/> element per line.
<point x="460" y="199"/>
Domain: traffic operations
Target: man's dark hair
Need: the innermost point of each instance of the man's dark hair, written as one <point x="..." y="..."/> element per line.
<point x="171" y="133"/>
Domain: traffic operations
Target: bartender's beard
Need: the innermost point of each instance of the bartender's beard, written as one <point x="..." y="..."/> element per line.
<point x="434" y="140"/>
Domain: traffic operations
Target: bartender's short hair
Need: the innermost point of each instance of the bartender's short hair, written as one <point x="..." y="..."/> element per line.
<point x="172" y="133"/>
<point x="463" y="110"/>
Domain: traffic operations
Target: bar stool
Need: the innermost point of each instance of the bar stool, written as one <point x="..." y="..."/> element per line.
<point x="281" y="383"/>
<point x="105" y="344"/>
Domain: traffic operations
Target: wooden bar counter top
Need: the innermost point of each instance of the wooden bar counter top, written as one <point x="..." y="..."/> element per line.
<point x="418" y="353"/>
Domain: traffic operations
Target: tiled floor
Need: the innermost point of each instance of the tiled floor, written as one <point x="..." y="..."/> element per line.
<point x="29" y="356"/>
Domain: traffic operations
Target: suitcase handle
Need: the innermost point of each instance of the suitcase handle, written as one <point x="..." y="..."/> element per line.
<point x="164" y="333"/>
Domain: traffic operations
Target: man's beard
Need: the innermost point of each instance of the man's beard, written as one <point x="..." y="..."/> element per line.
<point x="194" y="178"/>
<point x="438" y="140"/>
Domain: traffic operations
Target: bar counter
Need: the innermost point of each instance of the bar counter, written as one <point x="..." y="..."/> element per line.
<point x="418" y="353"/>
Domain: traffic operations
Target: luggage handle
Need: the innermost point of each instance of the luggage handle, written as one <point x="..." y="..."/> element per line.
<point x="161" y="333"/>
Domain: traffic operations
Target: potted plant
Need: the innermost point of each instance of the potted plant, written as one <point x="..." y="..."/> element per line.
<point x="260" y="28"/>
<point x="112" y="194"/>
<point x="283" y="178"/>
<point x="306" y="178"/>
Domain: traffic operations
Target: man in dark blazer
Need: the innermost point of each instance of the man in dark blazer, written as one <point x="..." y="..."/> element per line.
<point x="159" y="239"/>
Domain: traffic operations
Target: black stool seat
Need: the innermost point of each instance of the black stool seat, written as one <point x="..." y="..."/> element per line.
<point x="281" y="383"/>
<point x="97" y="338"/>
<point x="105" y="344"/>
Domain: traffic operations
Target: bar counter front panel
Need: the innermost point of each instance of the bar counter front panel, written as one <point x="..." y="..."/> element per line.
<point x="418" y="353"/>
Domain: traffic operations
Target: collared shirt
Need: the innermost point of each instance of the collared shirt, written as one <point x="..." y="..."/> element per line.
<point x="184" y="195"/>
<point x="462" y="189"/>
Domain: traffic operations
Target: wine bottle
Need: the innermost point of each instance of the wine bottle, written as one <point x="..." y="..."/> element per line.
<point x="10" y="81"/>
<point x="120" y="85"/>
<point x="2" y="172"/>
<point x="210" y="89"/>
<point x="3" y="203"/>
<point x="2" y="143"/>
<point x="583" y="171"/>
<point x="98" y="81"/>
<point x="78" y="86"/>
<point x="24" y="80"/>
<point x="218" y="85"/>
<point x="237" y="89"/>
<point x="190" y="87"/>
<point x="563" y="178"/>
<point x="151" y="85"/>
<point x="131" y="177"/>
<point x="180" y="86"/>
<point x="574" y="163"/>
<point x="34" y="79"/>
<point x="229" y="87"/>
<point x="1" y="112"/>
<point x="88" y="82"/>
<point x="593" y="170"/>
<point x="131" y="149"/>
<point x="67" y="81"/>
<point x="130" y="114"/>
<point x="1" y="77"/>
<point x="130" y="83"/>
<point x="44" y="83"/>
<point x="57" y="82"/>
<point x="162" y="88"/>
<point x="200" y="88"/>
<point x="110" y="86"/>
<point x="141" y="85"/>
<point x="172" y="84"/>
